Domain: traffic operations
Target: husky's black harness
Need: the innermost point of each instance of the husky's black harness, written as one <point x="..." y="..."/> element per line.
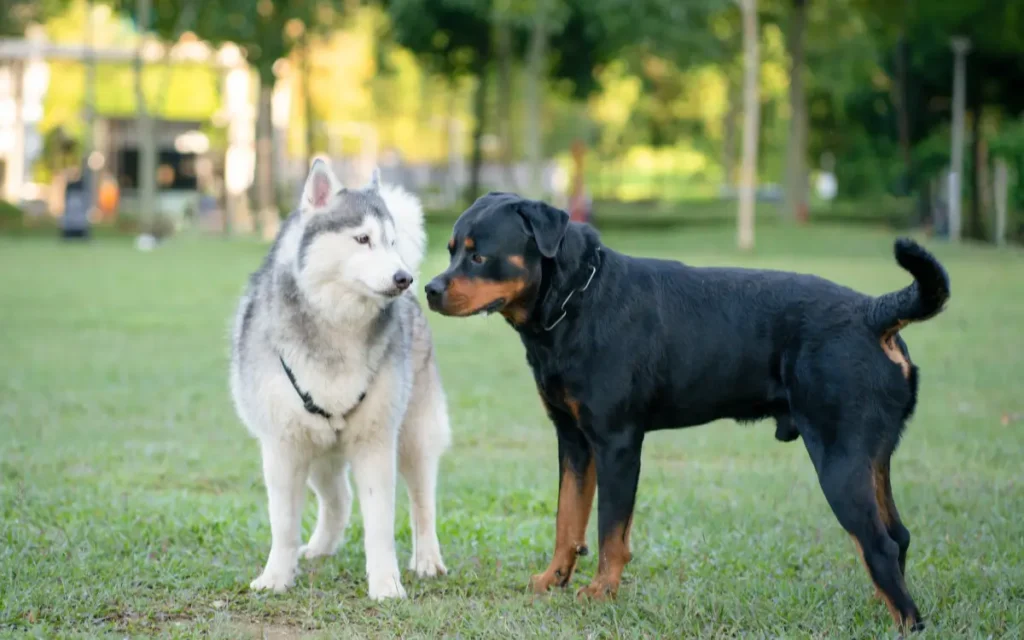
<point x="307" y="400"/>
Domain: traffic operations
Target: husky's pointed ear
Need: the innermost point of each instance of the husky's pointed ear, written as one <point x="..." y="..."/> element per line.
<point x="320" y="188"/>
<point x="374" y="180"/>
<point x="547" y="224"/>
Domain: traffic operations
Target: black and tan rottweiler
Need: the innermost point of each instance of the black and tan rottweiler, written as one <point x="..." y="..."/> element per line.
<point x="621" y="346"/>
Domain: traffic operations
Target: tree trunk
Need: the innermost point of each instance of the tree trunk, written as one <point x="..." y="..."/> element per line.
<point x="1001" y="188"/>
<point x="503" y="49"/>
<point x="265" y="202"/>
<point x="307" y="64"/>
<point x="796" y="147"/>
<point x="455" y="149"/>
<point x="960" y="48"/>
<point x="90" y="105"/>
<point x="480" y="114"/>
<point x="751" y="125"/>
<point x="984" y="186"/>
<point x="899" y="100"/>
<point x="14" y="174"/>
<point x="979" y="177"/>
<point x="183" y="23"/>
<point x="732" y="113"/>
<point x="146" y="163"/>
<point x="535" y="74"/>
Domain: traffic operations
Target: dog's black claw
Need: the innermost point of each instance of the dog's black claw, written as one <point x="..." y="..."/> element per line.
<point x="582" y="550"/>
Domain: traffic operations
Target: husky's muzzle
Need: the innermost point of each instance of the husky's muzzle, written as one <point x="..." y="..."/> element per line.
<point x="401" y="280"/>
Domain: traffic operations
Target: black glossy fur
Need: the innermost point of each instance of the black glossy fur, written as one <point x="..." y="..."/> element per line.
<point x="655" y="344"/>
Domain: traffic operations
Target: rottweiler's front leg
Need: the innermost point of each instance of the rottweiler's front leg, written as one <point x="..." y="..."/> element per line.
<point x="576" y="485"/>
<point x="618" y="472"/>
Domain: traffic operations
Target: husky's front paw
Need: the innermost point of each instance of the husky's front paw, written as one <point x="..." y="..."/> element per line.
<point x="386" y="585"/>
<point x="428" y="565"/>
<point x="276" y="581"/>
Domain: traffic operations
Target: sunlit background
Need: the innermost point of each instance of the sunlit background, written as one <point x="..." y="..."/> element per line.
<point x="628" y="109"/>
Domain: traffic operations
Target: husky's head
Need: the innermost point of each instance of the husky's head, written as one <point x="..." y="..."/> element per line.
<point x="366" y="243"/>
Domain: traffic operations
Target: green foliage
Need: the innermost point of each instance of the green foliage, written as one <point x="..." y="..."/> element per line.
<point x="582" y="44"/>
<point x="450" y="37"/>
<point x="15" y="15"/>
<point x="266" y="29"/>
<point x="170" y="18"/>
<point x="1008" y="144"/>
<point x="679" y="31"/>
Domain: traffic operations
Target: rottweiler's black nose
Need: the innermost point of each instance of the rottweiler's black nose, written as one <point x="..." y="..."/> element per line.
<point x="435" y="291"/>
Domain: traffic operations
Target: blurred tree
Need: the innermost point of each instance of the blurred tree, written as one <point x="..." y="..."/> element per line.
<point x="452" y="38"/>
<point x="677" y="31"/>
<point x="16" y="15"/>
<point x="566" y="40"/>
<point x="168" y="20"/>
<point x="796" y="146"/>
<point x="669" y="44"/>
<point x="828" y="50"/>
<point x="751" y="126"/>
<point x="545" y="22"/>
<point x="505" y="50"/>
<point x="918" y="35"/>
<point x="267" y="35"/>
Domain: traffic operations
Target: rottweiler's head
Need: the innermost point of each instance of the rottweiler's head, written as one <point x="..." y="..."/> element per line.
<point x="497" y="249"/>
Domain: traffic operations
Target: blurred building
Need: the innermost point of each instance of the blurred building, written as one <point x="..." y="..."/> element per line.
<point x="182" y="162"/>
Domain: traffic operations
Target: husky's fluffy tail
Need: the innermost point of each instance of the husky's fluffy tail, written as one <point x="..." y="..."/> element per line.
<point x="407" y="212"/>
<point x="920" y="300"/>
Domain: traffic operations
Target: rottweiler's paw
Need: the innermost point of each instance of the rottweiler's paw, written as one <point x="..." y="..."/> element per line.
<point x="541" y="582"/>
<point x="598" y="590"/>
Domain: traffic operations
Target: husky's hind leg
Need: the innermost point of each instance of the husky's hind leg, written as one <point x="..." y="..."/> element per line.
<point x="425" y="436"/>
<point x="328" y="477"/>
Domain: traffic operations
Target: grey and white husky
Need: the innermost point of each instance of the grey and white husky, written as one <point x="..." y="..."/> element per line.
<point x="332" y="366"/>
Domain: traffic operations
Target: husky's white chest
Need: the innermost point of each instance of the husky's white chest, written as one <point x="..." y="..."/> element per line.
<point x="336" y="384"/>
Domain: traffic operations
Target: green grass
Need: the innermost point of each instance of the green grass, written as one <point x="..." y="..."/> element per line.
<point x="132" y="504"/>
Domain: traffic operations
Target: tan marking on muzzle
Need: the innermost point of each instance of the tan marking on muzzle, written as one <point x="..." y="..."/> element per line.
<point x="468" y="295"/>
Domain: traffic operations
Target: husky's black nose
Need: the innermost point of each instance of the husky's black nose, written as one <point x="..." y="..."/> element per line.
<point x="435" y="291"/>
<point x="402" y="280"/>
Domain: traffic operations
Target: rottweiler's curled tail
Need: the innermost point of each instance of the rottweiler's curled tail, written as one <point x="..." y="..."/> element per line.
<point x="922" y="299"/>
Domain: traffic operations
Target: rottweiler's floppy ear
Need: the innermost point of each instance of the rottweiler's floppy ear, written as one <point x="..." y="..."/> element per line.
<point x="546" y="223"/>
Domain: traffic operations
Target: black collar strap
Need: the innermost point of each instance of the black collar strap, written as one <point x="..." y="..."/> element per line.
<point x="588" y="273"/>
<point x="307" y="400"/>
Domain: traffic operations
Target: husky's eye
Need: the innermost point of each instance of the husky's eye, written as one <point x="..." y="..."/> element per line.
<point x="477" y="258"/>
<point x="363" y="239"/>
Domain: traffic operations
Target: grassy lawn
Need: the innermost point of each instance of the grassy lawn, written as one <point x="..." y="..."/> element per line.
<point x="132" y="503"/>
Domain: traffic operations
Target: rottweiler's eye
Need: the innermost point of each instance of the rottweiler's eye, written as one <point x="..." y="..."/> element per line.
<point x="363" y="239"/>
<point x="477" y="258"/>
